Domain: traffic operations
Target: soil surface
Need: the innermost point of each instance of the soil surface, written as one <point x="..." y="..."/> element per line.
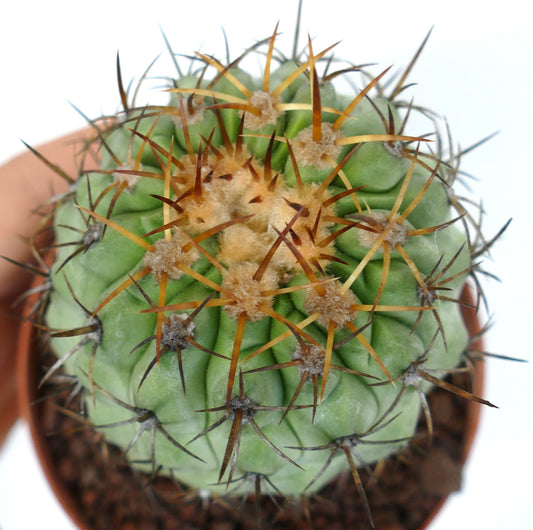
<point x="402" y="491"/>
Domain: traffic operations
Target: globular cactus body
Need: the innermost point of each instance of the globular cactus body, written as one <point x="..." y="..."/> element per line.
<point x="253" y="278"/>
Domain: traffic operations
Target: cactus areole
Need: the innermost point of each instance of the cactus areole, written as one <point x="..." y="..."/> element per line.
<point x="260" y="276"/>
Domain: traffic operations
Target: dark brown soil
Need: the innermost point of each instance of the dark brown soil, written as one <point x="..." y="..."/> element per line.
<point x="403" y="491"/>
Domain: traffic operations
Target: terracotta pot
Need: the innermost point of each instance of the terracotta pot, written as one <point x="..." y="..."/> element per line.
<point x="9" y="325"/>
<point x="28" y="374"/>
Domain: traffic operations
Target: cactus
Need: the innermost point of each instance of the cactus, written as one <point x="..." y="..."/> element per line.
<point x="263" y="277"/>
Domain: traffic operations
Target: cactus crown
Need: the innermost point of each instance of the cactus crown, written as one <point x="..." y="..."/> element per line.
<point x="264" y="272"/>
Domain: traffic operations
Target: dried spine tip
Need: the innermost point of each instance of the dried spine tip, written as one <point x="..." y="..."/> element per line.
<point x="317" y="154"/>
<point x="167" y="254"/>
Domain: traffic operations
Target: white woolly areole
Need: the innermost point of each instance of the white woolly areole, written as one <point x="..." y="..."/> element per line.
<point x="397" y="232"/>
<point x="264" y="102"/>
<point x="174" y="333"/>
<point x="239" y="243"/>
<point x="166" y="254"/>
<point x="410" y="376"/>
<point x="309" y="152"/>
<point x="312" y="358"/>
<point x="128" y="178"/>
<point x="247" y="292"/>
<point x="332" y="305"/>
<point x="191" y="116"/>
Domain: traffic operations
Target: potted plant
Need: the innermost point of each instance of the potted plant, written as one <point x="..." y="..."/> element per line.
<point x="260" y="281"/>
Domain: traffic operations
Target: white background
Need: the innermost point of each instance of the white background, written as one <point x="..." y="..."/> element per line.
<point x="476" y="70"/>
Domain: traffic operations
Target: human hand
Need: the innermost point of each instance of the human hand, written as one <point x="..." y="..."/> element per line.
<point x="25" y="183"/>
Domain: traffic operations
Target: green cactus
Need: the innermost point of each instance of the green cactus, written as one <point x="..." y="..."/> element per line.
<point x="262" y="275"/>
